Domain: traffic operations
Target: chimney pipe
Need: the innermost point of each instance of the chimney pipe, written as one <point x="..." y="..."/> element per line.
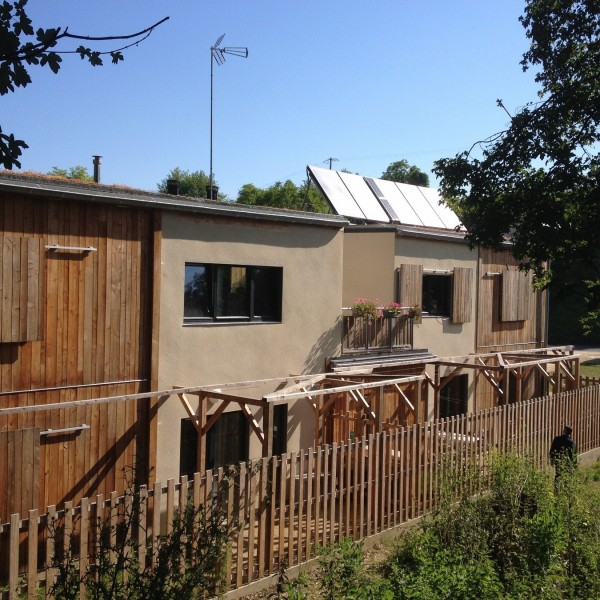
<point x="97" y="163"/>
<point x="173" y="187"/>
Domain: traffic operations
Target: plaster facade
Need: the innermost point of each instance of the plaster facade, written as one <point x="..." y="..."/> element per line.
<point x="309" y="331"/>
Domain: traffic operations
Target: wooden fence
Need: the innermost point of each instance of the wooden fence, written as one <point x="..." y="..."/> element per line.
<point x="282" y="507"/>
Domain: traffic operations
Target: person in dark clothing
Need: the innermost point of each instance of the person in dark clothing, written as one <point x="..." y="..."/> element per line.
<point x="563" y="453"/>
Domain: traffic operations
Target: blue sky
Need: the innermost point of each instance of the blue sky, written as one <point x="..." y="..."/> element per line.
<point x="367" y="82"/>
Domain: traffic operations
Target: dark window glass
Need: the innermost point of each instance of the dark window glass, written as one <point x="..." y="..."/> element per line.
<point x="280" y="429"/>
<point x="454" y="397"/>
<point x="437" y="295"/>
<point x="197" y="292"/>
<point x="232" y="293"/>
<point x="227" y="440"/>
<point x="266" y="288"/>
<point x="188" y="448"/>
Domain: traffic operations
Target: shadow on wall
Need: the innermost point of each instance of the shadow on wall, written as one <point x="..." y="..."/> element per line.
<point x="326" y="346"/>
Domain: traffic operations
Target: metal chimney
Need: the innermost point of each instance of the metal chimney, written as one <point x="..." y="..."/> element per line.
<point x="97" y="163"/>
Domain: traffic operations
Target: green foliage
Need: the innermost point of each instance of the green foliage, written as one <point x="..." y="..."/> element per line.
<point x="284" y="195"/>
<point x="343" y="574"/>
<point x="191" y="183"/>
<point x="76" y="172"/>
<point x="186" y="564"/>
<point x="22" y="47"/>
<point x="402" y="172"/>
<point x="522" y="539"/>
<point x="539" y="180"/>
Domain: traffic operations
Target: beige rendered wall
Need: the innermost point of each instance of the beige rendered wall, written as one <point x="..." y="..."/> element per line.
<point x="311" y="258"/>
<point x="368" y="265"/>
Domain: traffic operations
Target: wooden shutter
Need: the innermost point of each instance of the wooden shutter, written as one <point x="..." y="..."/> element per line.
<point x="462" y="295"/>
<point x="21" y="294"/>
<point x="516" y="295"/>
<point x="410" y="285"/>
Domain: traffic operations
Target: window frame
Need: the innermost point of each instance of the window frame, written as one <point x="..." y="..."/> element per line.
<point x="252" y="289"/>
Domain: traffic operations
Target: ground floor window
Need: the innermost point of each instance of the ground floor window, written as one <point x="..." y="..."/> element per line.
<point x="454" y="397"/>
<point x="280" y="414"/>
<point x="226" y="443"/>
<point x="214" y="292"/>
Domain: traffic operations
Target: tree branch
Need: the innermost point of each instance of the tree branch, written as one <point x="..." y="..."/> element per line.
<point x="92" y="38"/>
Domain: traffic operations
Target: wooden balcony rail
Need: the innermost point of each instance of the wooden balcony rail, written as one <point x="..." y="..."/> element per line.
<point x="378" y="334"/>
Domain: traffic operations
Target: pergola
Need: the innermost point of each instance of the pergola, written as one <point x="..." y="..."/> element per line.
<point x="497" y="368"/>
<point x="372" y="400"/>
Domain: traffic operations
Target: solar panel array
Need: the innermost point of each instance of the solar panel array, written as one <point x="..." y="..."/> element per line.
<point x="381" y="201"/>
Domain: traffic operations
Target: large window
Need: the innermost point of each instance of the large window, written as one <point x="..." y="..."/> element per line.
<point x="437" y="295"/>
<point x="226" y="443"/>
<point x="232" y="293"/>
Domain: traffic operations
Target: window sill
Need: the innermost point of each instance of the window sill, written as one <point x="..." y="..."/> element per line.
<point x="208" y="323"/>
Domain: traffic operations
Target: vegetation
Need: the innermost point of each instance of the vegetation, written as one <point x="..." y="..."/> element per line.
<point x="525" y="538"/>
<point x="284" y="195"/>
<point x="186" y="564"/>
<point x="191" y="183"/>
<point x="402" y="172"/>
<point x="76" y="172"/>
<point x="23" y="47"/>
<point x="539" y="180"/>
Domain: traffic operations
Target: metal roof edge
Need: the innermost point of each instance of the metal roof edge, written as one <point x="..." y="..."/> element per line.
<point x="164" y="202"/>
<point x="447" y="236"/>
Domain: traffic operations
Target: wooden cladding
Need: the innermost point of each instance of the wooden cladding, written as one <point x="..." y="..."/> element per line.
<point x="19" y="471"/>
<point x="410" y="290"/>
<point x="516" y="292"/>
<point x="85" y="320"/>
<point x="22" y="294"/>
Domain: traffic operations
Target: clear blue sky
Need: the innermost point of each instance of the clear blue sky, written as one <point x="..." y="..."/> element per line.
<point x="365" y="81"/>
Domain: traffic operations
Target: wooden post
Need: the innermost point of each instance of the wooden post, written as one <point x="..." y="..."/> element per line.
<point x="201" y="460"/>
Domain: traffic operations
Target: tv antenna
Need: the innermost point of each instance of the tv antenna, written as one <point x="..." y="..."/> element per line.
<point x="330" y="160"/>
<point x="217" y="55"/>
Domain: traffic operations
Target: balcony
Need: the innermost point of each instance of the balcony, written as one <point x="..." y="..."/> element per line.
<point x="377" y="335"/>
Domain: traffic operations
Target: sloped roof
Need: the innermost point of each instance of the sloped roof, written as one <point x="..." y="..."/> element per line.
<point x="48" y="186"/>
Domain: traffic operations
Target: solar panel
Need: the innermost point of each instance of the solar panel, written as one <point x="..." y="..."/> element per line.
<point x="387" y="191"/>
<point x="419" y="204"/>
<point x="446" y="214"/>
<point x="336" y="192"/>
<point x="364" y="197"/>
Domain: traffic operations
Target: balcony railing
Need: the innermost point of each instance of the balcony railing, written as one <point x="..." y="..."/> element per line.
<point x="378" y="334"/>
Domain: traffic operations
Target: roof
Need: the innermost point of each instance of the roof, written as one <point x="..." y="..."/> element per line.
<point x="45" y="186"/>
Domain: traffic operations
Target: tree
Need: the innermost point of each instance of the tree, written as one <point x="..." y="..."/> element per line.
<point x="76" y="172"/>
<point x="402" y="172"/>
<point x="539" y="180"/>
<point x="191" y="183"/>
<point x="284" y="195"/>
<point x="21" y="48"/>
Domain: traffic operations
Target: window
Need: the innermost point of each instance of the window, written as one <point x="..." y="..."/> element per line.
<point x="226" y="443"/>
<point x="437" y="295"/>
<point x="454" y="396"/>
<point x="448" y="295"/>
<point x="232" y="293"/>
<point x="280" y="413"/>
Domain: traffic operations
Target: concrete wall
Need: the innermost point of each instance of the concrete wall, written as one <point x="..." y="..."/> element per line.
<point x="310" y="331"/>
